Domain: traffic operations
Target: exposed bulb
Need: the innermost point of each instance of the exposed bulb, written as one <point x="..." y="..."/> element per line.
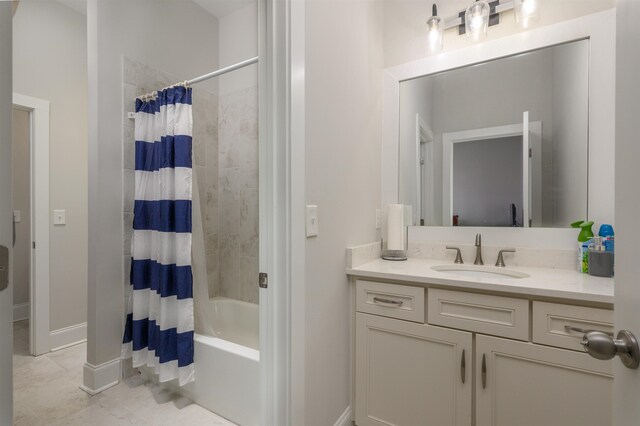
<point x="527" y="12"/>
<point x="435" y="32"/>
<point x="476" y="20"/>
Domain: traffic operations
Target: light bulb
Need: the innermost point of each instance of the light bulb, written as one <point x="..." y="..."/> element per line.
<point x="527" y="12"/>
<point x="476" y="20"/>
<point x="435" y="32"/>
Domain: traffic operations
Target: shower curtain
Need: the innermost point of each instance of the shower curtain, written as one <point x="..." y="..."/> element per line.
<point x="159" y="324"/>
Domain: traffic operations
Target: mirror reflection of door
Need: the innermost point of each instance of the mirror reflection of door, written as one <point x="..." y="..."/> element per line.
<point x="487" y="182"/>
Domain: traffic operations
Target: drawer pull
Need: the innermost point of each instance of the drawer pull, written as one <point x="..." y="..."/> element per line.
<point x="463" y="368"/>
<point x="570" y="328"/>
<point x="484" y="371"/>
<point x="387" y="301"/>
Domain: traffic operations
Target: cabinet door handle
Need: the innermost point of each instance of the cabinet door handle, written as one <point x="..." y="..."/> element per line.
<point x="463" y="368"/>
<point x="570" y="328"/>
<point x="484" y="371"/>
<point x="387" y="301"/>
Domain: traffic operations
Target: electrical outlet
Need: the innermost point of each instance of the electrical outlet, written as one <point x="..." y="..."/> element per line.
<point x="378" y="218"/>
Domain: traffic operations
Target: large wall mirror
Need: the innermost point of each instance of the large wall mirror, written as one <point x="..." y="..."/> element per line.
<point x="499" y="143"/>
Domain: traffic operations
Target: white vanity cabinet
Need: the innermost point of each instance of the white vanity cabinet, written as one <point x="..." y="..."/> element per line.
<point x="526" y="384"/>
<point x="411" y="374"/>
<point x="431" y="356"/>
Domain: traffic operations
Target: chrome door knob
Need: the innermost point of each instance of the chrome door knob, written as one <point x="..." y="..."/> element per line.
<point x="600" y="345"/>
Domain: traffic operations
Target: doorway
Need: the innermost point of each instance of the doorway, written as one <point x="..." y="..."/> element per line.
<point x="30" y="204"/>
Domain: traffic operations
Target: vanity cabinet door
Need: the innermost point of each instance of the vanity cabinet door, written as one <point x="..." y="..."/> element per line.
<point x="524" y="384"/>
<point x="410" y="374"/>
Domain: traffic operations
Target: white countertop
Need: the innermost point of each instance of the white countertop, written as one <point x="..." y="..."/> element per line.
<point x="541" y="282"/>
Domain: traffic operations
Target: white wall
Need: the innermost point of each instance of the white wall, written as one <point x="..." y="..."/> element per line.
<point x="570" y="97"/>
<point x="404" y="24"/>
<point x="343" y="74"/>
<point x="239" y="41"/>
<point x="50" y="63"/>
<point x="175" y="36"/>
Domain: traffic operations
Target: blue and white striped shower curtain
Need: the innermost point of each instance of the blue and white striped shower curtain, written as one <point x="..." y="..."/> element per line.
<point x="159" y="325"/>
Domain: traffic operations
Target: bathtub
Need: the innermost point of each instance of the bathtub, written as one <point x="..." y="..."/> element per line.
<point x="227" y="365"/>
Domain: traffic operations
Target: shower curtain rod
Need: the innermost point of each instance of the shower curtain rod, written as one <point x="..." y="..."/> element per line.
<point x="216" y="73"/>
<point x="223" y="70"/>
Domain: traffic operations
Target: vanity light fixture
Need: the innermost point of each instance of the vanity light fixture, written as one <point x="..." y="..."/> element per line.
<point x="475" y="20"/>
<point x="435" y="31"/>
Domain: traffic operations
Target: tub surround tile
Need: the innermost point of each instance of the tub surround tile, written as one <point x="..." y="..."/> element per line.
<point x="229" y="266"/>
<point x="128" y="148"/>
<point x="248" y="229"/>
<point x="127" y="221"/>
<point x="248" y="279"/>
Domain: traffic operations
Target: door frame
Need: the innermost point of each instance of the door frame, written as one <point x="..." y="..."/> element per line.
<point x="424" y="155"/>
<point x="38" y="110"/>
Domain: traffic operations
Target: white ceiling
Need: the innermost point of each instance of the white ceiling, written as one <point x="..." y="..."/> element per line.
<point x="220" y="8"/>
<point x="217" y="8"/>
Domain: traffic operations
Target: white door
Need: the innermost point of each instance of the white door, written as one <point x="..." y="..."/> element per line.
<point x="410" y="374"/>
<point x="6" y="219"/>
<point x="526" y="199"/>
<point x="626" y="395"/>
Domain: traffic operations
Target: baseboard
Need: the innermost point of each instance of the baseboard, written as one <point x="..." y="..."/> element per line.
<point x="21" y="312"/>
<point x="97" y="378"/>
<point x="345" y="418"/>
<point x="59" y="339"/>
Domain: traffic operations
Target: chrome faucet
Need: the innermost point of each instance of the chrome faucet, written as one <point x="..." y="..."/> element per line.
<point x="478" y="260"/>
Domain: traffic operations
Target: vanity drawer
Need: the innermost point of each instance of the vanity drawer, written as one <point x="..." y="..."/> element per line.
<point x="487" y="314"/>
<point x="551" y="319"/>
<point x="390" y="300"/>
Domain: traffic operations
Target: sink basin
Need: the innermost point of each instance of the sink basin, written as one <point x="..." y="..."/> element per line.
<point x="480" y="271"/>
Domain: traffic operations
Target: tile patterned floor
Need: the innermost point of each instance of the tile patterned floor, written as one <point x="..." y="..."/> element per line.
<point x="46" y="392"/>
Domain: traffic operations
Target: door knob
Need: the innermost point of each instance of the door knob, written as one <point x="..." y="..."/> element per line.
<point x="600" y="345"/>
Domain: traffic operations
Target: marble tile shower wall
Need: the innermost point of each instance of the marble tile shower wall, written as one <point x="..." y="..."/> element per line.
<point x="238" y="237"/>
<point x="225" y="144"/>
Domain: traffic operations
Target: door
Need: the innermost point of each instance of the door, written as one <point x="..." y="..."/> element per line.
<point x="526" y="197"/>
<point x="6" y="218"/>
<point x="524" y="384"/>
<point x="410" y="374"/>
<point x="627" y="205"/>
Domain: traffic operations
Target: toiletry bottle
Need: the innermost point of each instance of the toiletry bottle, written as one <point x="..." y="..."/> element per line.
<point x="584" y="238"/>
<point x="606" y="232"/>
<point x="600" y="260"/>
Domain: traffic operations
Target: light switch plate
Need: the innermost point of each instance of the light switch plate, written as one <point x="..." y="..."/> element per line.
<point x="59" y="217"/>
<point x="312" y="221"/>
<point x="378" y="218"/>
<point x="17" y="217"/>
